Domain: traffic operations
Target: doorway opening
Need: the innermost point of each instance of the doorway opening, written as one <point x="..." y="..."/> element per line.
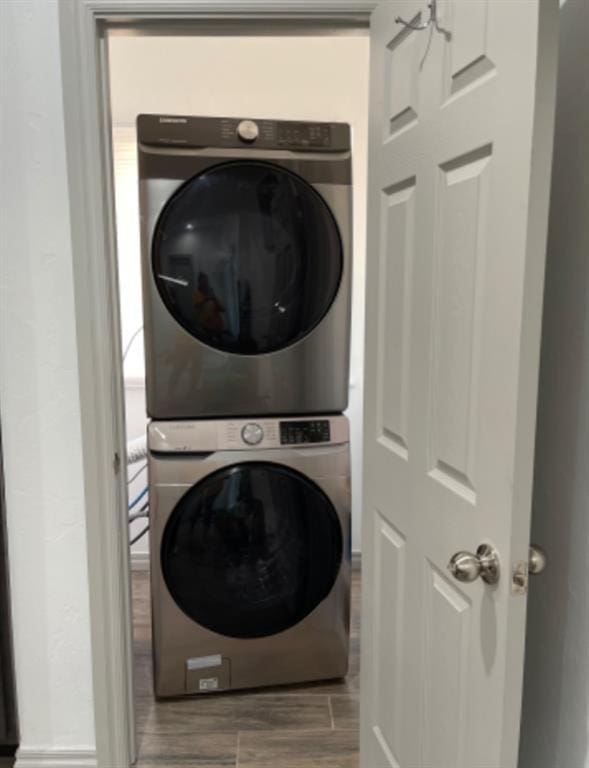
<point x="267" y="72"/>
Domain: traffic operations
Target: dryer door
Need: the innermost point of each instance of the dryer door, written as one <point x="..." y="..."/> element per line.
<point x="251" y="550"/>
<point x="247" y="257"/>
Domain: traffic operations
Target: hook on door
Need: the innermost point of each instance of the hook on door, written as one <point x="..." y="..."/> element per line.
<point x="431" y="22"/>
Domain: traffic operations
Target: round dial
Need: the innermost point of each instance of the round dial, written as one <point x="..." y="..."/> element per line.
<point x="252" y="434"/>
<point x="247" y="130"/>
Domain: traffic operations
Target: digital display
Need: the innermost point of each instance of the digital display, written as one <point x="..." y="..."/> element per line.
<point x="299" y="432"/>
<point x="303" y="135"/>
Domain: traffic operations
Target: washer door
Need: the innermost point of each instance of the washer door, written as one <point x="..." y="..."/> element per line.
<point x="251" y="550"/>
<point x="247" y="257"/>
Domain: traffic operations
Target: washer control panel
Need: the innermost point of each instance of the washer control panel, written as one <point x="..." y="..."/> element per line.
<point x="210" y="435"/>
<point x="301" y="432"/>
<point x="252" y="434"/>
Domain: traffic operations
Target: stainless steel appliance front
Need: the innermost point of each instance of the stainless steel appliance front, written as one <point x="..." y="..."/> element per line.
<point x="246" y="262"/>
<point x="250" y="552"/>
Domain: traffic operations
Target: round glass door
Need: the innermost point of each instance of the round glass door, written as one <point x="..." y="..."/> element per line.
<point x="251" y="550"/>
<point x="247" y="257"/>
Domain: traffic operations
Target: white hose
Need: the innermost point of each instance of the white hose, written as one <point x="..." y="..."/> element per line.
<point x="136" y="450"/>
<point x="130" y="342"/>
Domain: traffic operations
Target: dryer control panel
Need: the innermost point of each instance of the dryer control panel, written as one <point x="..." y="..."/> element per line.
<point x="243" y="132"/>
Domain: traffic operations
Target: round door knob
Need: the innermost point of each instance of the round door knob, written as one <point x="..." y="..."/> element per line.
<point x="537" y="560"/>
<point x="252" y="434"/>
<point x="247" y="130"/>
<point x="466" y="567"/>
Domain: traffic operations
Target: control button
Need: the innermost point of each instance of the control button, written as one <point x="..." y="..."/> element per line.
<point x="252" y="434"/>
<point x="247" y="130"/>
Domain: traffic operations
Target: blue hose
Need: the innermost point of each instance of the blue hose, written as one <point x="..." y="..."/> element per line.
<point x="138" y="498"/>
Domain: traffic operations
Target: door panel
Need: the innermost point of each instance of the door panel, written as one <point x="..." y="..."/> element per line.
<point x="460" y="126"/>
<point x="446" y="656"/>
<point x="459" y="271"/>
<point x="387" y="704"/>
<point x="402" y="85"/>
<point x="395" y="264"/>
<point x="467" y="63"/>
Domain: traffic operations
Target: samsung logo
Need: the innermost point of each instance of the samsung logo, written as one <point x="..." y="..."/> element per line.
<point x="173" y="120"/>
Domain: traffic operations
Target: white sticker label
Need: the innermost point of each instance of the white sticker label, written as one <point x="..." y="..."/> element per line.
<point x="208" y="684"/>
<point x="202" y="662"/>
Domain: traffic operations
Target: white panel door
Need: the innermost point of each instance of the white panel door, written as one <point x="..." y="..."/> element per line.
<point x="459" y="170"/>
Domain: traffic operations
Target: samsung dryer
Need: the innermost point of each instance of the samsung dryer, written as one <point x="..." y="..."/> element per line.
<point x="247" y="258"/>
<point x="250" y="552"/>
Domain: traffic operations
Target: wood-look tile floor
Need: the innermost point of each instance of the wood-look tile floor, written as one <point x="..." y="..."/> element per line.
<point x="303" y="726"/>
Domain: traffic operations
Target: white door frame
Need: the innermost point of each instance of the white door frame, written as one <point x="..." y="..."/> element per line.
<point x="91" y="191"/>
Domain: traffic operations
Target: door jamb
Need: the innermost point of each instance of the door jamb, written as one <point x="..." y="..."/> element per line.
<point x="91" y="197"/>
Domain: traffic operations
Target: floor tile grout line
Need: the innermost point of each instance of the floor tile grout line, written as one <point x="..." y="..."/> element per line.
<point x="330" y="706"/>
<point x="267" y="729"/>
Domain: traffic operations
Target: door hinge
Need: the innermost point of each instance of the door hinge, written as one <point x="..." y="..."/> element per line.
<point x="116" y="463"/>
<point x="520" y="578"/>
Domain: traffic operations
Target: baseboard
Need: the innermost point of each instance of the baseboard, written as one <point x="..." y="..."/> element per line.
<point x="356" y="561"/>
<point x="133" y="382"/>
<point x="55" y="758"/>
<point x="139" y="561"/>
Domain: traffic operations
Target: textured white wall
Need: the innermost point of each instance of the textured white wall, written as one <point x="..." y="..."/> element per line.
<point x="39" y="396"/>
<point x="555" y="725"/>
<point x="306" y="78"/>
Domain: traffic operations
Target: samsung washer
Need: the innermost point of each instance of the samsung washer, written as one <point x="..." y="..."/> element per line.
<point x="246" y="260"/>
<point x="250" y="552"/>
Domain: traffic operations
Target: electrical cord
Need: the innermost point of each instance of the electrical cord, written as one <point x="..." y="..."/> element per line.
<point x="139" y="536"/>
<point x="136" y="475"/>
<point x="143" y="512"/>
<point x="130" y="342"/>
<point x="139" y="497"/>
<point x="138" y="516"/>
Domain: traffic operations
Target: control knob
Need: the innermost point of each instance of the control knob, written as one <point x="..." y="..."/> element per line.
<point x="247" y="130"/>
<point x="252" y="434"/>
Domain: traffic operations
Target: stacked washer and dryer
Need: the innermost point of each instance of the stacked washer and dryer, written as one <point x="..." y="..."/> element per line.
<point x="246" y="256"/>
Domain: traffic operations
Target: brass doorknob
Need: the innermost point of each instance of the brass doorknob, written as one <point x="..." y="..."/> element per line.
<point x="537" y="560"/>
<point x="466" y="567"/>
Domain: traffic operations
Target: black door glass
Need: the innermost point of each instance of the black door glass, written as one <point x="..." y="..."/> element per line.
<point x="251" y="550"/>
<point x="247" y="257"/>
